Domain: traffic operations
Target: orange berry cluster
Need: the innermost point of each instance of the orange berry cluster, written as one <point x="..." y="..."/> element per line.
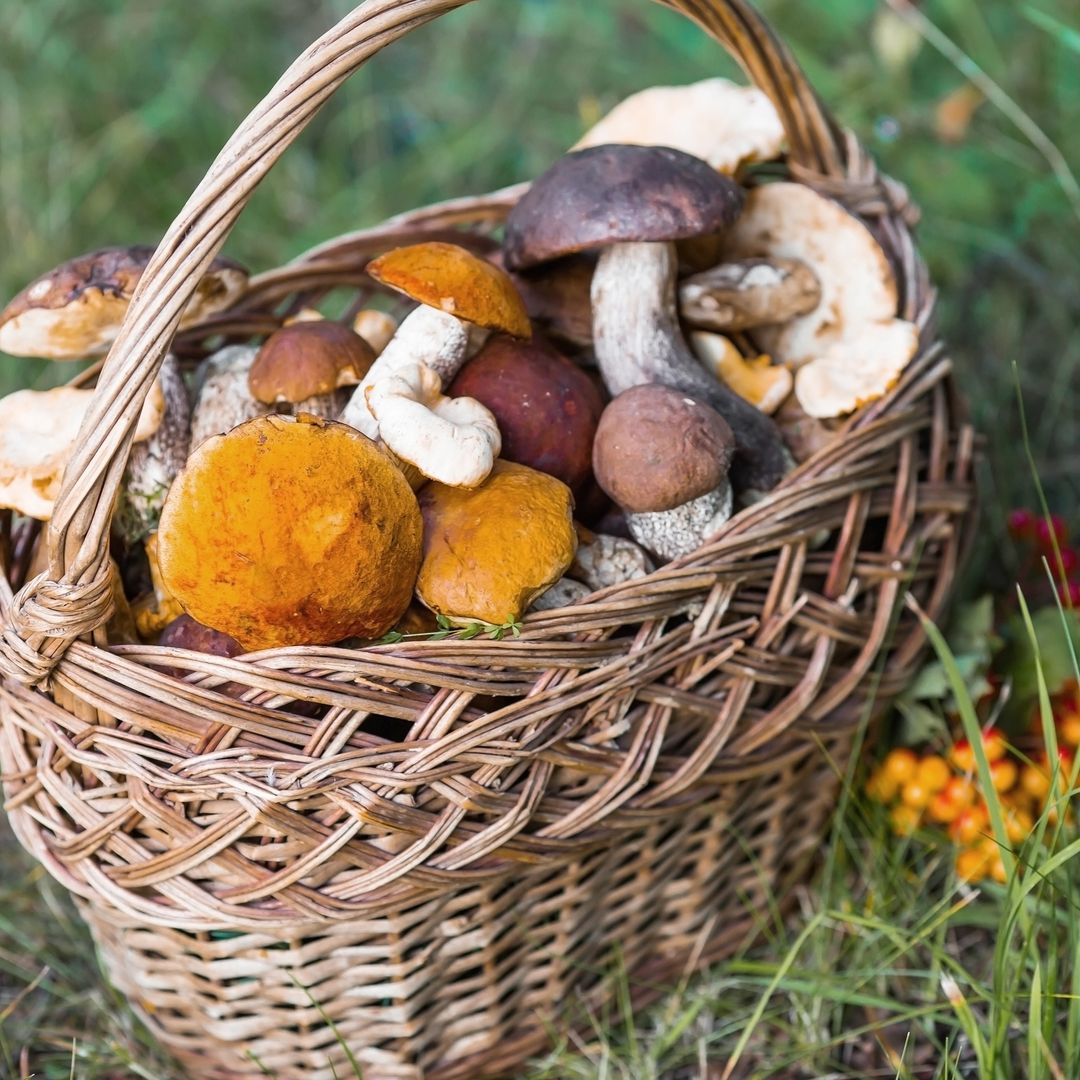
<point x="944" y="791"/>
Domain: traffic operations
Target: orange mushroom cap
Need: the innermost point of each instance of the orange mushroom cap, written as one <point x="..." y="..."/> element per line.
<point x="451" y="279"/>
<point x="489" y="552"/>
<point x="291" y="531"/>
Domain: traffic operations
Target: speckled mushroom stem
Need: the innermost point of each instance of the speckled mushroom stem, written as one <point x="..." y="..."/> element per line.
<point x="638" y="340"/>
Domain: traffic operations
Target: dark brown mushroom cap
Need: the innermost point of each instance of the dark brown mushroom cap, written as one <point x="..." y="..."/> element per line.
<point x="307" y="359"/>
<point x="657" y="448"/>
<point x="76" y="308"/>
<point x="618" y="194"/>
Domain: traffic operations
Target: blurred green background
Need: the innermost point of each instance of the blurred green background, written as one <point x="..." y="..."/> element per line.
<point x="110" y="113"/>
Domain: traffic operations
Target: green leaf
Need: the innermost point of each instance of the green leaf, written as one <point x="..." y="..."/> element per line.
<point x="1069" y="36"/>
<point x="1054" y="655"/>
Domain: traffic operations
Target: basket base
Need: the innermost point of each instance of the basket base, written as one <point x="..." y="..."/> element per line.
<point x="469" y="983"/>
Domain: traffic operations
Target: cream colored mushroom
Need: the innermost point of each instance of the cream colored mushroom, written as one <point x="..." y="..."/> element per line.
<point x="375" y="327"/>
<point x="759" y="381"/>
<point x="452" y="440"/>
<point x="717" y="120"/>
<point x="852" y="338"/>
<point x="38" y="429"/>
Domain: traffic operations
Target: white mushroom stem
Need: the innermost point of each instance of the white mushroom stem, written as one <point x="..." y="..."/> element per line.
<point x="426" y="336"/>
<point x="610" y="560"/>
<point x="749" y="293"/>
<point x="638" y="340"/>
<point x="154" y="463"/>
<point x="668" y="534"/>
<point x="452" y="440"/>
<point x="223" y="398"/>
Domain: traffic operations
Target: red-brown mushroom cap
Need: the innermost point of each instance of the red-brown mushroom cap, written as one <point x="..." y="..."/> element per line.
<point x="454" y="280"/>
<point x="77" y="308"/>
<point x="618" y="194"/>
<point x="308" y="359"/>
<point x="547" y="408"/>
<point x="657" y="448"/>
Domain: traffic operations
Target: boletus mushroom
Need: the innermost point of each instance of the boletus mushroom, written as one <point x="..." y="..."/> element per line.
<point x="223" y="398"/>
<point x="302" y="365"/>
<point x="633" y="202"/>
<point x="77" y="308"/>
<point x="546" y="407"/>
<point x="459" y="294"/>
<point x="489" y="552"/>
<point x="291" y="531"/>
<point x="664" y="457"/>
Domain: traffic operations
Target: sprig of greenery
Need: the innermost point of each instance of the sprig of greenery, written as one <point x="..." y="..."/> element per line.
<point x="462" y="632"/>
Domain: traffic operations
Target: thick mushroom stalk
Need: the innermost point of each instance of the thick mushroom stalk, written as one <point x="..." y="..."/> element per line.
<point x="427" y="337"/>
<point x="638" y="341"/>
<point x="222" y="397"/>
<point x="452" y="440"/>
<point x="154" y="463"/>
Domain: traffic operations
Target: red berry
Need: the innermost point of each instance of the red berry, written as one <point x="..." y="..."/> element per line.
<point x="1069" y="593"/>
<point x="1070" y="560"/>
<point x="1047" y="533"/>
<point x="1021" y="523"/>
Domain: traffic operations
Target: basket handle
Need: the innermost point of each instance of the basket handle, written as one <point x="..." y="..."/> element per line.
<point x="74" y="596"/>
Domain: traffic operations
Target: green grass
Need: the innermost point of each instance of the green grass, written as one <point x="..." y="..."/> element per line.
<point x="110" y="113"/>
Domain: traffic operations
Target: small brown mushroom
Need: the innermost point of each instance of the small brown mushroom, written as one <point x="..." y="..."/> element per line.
<point x="748" y="293"/>
<point x="291" y="531"/>
<point x="184" y="632"/>
<point x="488" y="553"/>
<point x="664" y="458"/>
<point x="634" y="202"/>
<point x="76" y="309"/>
<point x="546" y="407"/>
<point x="303" y="364"/>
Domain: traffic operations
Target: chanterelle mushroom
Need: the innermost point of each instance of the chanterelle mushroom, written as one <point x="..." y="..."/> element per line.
<point x="456" y="291"/>
<point x="664" y="458"/>
<point x="488" y="553"/>
<point x="303" y="364"/>
<point x="764" y="384"/>
<point x="634" y="202"/>
<point x="853" y="332"/>
<point x="291" y="531"/>
<point x="76" y="309"/>
<point x="38" y="429"/>
<point x="716" y="120"/>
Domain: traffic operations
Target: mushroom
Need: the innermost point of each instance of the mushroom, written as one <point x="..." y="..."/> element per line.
<point x="222" y="396"/>
<point x="748" y="293"/>
<point x="602" y="561"/>
<point x="291" y="531"/>
<point x="853" y="333"/>
<point x="456" y="290"/>
<point x="490" y="552"/>
<point x="717" y="120"/>
<point x="154" y="463"/>
<point x="452" y="440"/>
<point x="761" y="382"/>
<point x="566" y="592"/>
<point x="375" y="327"/>
<point x="804" y="435"/>
<point x="303" y="364"/>
<point x="557" y="297"/>
<point x="154" y="610"/>
<point x="76" y="309"/>
<point x="664" y="457"/>
<point x="184" y="632"/>
<point x="38" y="430"/>
<point x="546" y="407"/>
<point x="634" y="202"/>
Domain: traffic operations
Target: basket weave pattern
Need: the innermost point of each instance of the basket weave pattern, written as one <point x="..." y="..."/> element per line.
<point x="642" y="770"/>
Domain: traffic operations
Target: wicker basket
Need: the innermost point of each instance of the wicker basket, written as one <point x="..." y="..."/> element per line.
<point x="269" y="881"/>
